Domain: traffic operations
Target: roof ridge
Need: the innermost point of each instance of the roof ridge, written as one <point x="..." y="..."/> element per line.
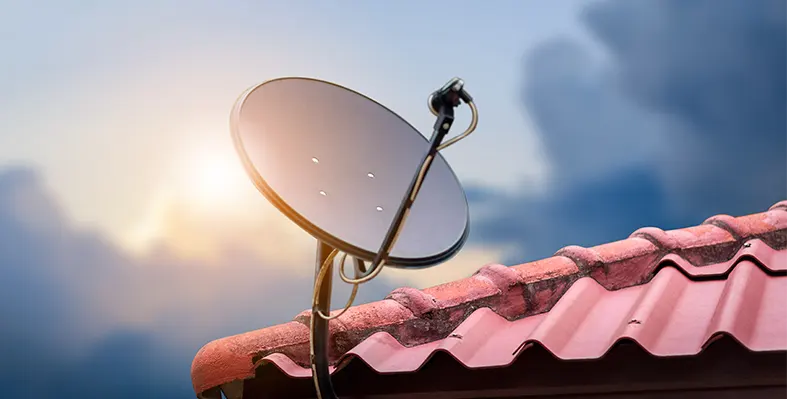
<point x="523" y="290"/>
<point x="715" y="241"/>
<point x="742" y="273"/>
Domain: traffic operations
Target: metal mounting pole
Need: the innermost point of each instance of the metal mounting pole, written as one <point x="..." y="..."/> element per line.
<point x="319" y="328"/>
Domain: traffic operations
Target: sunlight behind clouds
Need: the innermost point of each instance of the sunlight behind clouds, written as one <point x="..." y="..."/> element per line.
<point x="212" y="180"/>
<point x="206" y="207"/>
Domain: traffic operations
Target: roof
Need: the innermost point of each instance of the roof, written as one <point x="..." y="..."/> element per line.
<point x="671" y="292"/>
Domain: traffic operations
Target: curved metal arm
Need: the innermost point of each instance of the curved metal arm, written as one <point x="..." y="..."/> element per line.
<point x="470" y="129"/>
<point x="445" y="115"/>
<point x="443" y="124"/>
<point x="324" y="271"/>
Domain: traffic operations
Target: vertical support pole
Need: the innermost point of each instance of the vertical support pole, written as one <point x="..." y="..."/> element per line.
<point x="319" y="328"/>
<point x="323" y="250"/>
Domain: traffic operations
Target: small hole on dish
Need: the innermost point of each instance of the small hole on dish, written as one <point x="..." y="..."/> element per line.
<point x="379" y="209"/>
<point x="315" y="160"/>
<point x="370" y="175"/>
<point x="323" y="193"/>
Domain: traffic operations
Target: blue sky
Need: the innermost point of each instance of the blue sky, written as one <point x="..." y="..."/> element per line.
<point x="121" y="81"/>
<point x="130" y="236"/>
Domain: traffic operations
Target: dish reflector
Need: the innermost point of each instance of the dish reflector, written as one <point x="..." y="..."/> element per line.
<point x="338" y="164"/>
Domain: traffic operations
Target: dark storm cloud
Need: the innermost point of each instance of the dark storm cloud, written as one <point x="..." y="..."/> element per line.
<point x="590" y="213"/>
<point x="685" y="119"/>
<point x="584" y="122"/>
<point x="68" y="301"/>
<point x="717" y="67"/>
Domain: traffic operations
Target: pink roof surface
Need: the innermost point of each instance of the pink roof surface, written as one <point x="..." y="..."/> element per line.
<point x="672" y="292"/>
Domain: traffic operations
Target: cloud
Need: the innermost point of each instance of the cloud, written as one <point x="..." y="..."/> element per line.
<point x="589" y="213"/>
<point x="86" y="318"/>
<point x="718" y="69"/>
<point x="683" y="117"/>
<point x="83" y="318"/>
<point x="585" y="123"/>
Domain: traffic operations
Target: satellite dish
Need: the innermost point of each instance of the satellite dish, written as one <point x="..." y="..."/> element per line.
<point x="337" y="163"/>
<point x="357" y="177"/>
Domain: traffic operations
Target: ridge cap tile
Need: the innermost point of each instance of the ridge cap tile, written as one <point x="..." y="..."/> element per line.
<point x="657" y="236"/>
<point x="781" y="205"/>
<point x="544" y="269"/>
<point x="503" y="277"/>
<point x="586" y="259"/>
<point x="415" y="300"/>
<point x="727" y="223"/>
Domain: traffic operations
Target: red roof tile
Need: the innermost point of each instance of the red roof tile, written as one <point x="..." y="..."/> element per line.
<point x="724" y="276"/>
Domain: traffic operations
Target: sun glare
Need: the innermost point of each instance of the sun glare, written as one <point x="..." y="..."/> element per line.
<point x="205" y="207"/>
<point x="213" y="181"/>
<point x="205" y="184"/>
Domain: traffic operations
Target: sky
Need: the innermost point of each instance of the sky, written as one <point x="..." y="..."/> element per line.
<point x="130" y="235"/>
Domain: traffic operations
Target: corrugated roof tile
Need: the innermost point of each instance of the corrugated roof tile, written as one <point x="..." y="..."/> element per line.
<point x="576" y="304"/>
<point x="670" y="316"/>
